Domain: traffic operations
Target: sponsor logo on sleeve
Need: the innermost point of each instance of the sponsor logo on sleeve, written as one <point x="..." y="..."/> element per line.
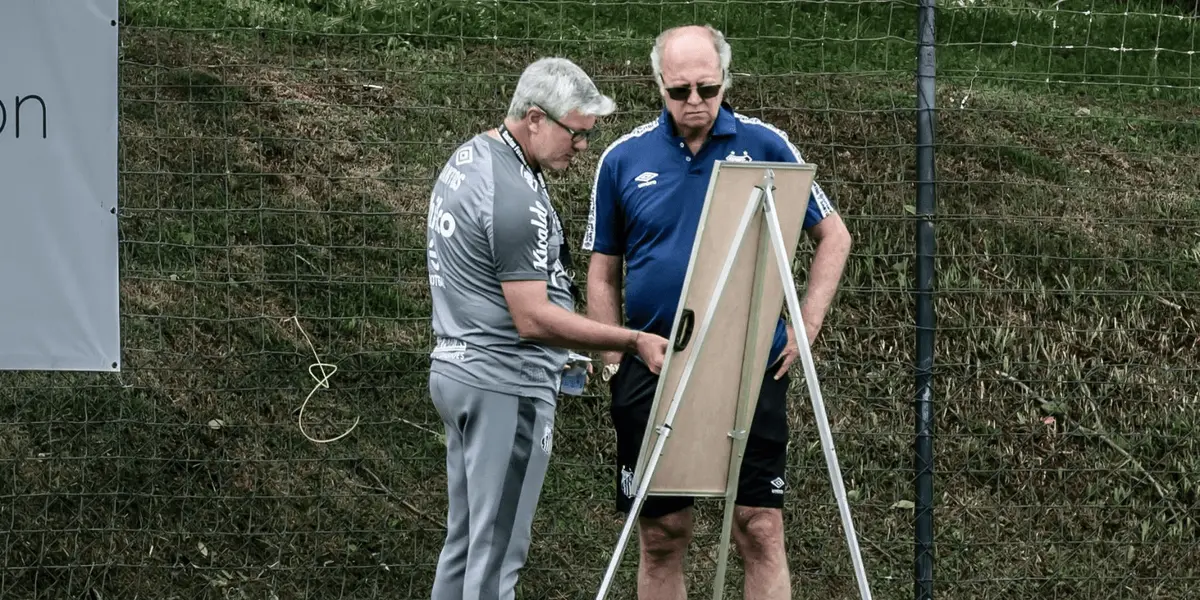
<point x="541" y="249"/>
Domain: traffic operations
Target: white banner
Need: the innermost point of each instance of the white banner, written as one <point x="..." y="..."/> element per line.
<point x="59" y="304"/>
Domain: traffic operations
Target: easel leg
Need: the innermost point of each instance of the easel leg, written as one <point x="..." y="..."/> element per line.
<point x="814" y="389"/>
<point x="752" y="207"/>
<point x="726" y="531"/>
<point x="750" y="375"/>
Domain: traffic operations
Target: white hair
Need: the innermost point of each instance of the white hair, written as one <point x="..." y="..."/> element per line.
<point x="724" y="53"/>
<point x="558" y="86"/>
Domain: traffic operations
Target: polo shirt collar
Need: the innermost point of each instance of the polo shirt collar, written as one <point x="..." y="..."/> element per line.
<point x="725" y="126"/>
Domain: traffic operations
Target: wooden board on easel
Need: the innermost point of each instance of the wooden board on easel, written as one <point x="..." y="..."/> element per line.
<point x="699" y="453"/>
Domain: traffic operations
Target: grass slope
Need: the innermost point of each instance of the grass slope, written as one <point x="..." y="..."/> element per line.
<point x="276" y="159"/>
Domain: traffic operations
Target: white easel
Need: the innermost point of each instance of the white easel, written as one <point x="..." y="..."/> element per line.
<point x="760" y="203"/>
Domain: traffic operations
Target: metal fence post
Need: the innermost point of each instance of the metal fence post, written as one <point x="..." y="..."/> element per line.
<point x="925" y="275"/>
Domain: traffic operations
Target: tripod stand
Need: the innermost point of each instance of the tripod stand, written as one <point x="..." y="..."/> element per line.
<point x="725" y="310"/>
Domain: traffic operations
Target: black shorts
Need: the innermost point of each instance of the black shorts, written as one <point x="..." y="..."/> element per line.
<point x="761" y="481"/>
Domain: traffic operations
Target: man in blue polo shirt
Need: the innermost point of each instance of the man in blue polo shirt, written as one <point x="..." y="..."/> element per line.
<point x="646" y="202"/>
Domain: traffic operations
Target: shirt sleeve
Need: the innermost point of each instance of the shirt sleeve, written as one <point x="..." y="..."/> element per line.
<point x="519" y="232"/>
<point x="605" y="231"/>
<point x="819" y="204"/>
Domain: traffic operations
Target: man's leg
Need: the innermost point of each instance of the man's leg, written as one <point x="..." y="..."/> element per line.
<point x="665" y="523"/>
<point x="504" y="465"/>
<point x="452" y="562"/>
<point x="758" y="530"/>
<point x="531" y="491"/>
<point x="663" y="543"/>
<point x="758" y="514"/>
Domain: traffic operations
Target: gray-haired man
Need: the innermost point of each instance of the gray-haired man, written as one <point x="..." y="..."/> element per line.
<point x="503" y="316"/>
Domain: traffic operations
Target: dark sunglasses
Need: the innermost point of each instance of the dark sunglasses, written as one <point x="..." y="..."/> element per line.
<point x="683" y="92"/>
<point x="577" y="135"/>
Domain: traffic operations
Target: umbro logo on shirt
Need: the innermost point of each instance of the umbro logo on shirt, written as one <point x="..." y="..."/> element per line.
<point x="646" y="179"/>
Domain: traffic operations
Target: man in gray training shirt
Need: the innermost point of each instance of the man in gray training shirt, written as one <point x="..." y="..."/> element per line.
<point x="504" y="319"/>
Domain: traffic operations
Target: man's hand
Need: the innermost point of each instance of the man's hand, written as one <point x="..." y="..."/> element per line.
<point x="610" y="358"/>
<point x="590" y="369"/>
<point x="792" y="350"/>
<point x="587" y="379"/>
<point x="789" y="354"/>
<point x="653" y="350"/>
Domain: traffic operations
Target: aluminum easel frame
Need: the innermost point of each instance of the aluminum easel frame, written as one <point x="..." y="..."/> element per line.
<point x="761" y="203"/>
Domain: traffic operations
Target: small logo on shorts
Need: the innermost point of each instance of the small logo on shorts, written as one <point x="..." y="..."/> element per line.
<point x="627" y="482"/>
<point x="547" y="438"/>
<point x="777" y="483"/>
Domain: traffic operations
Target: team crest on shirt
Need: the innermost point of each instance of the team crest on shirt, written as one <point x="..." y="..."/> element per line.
<point x="734" y="157"/>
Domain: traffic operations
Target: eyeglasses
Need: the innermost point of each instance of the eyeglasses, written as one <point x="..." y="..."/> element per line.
<point x="682" y="92"/>
<point x="577" y="135"/>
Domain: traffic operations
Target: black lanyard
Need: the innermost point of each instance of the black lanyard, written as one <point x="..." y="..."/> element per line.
<point x="508" y="138"/>
<point x="564" y="249"/>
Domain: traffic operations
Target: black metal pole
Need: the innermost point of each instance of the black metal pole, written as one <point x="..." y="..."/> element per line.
<point x="925" y="272"/>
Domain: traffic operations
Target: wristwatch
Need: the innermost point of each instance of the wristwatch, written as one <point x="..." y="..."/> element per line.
<point x="609" y="371"/>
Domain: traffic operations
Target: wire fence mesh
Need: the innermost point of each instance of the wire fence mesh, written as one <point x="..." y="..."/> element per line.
<point x="276" y="162"/>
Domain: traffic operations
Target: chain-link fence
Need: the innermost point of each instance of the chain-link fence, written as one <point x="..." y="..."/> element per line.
<point x="276" y="161"/>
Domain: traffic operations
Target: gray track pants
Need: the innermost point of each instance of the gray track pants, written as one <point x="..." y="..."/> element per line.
<point x="497" y="449"/>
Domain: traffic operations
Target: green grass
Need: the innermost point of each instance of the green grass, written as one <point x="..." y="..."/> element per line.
<point x="276" y="161"/>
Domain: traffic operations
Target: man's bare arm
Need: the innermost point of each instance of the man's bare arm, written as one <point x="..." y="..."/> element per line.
<point x="536" y="318"/>
<point x="604" y="294"/>
<point x="833" y="243"/>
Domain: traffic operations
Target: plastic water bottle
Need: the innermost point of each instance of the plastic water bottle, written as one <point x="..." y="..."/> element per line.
<point x="574" y="379"/>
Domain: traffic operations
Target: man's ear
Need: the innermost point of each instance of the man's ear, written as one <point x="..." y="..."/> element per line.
<point x="535" y="118"/>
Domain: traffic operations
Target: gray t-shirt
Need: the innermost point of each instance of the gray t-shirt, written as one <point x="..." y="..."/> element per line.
<point x="489" y="222"/>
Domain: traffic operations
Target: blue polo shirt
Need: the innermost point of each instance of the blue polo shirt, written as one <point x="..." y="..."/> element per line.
<point x="646" y="202"/>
